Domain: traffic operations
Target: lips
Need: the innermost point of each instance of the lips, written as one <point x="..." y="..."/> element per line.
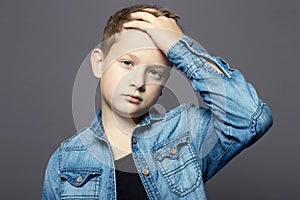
<point x="133" y="98"/>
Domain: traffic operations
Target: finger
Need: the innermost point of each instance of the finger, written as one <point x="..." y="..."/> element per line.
<point x="137" y="25"/>
<point x="166" y="18"/>
<point x="145" y="16"/>
<point x="151" y="10"/>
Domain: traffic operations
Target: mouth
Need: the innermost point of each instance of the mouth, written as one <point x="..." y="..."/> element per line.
<point x="133" y="98"/>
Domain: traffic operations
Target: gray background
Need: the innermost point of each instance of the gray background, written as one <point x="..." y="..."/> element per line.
<point x="43" y="43"/>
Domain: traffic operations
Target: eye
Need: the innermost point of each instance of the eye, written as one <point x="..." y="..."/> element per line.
<point x="154" y="74"/>
<point x="126" y="63"/>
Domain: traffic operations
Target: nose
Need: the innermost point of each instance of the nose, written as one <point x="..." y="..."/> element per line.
<point x="137" y="81"/>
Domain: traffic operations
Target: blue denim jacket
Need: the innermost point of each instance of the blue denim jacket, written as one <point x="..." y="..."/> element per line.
<point x="175" y="153"/>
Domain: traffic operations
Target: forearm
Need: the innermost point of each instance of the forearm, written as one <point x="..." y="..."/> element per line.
<point x="225" y="91"/>
<point x="238" y="117"/>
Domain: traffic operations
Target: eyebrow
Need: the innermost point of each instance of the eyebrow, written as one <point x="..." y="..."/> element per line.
<point x="132" y="56"/>
<point x="136" y="58"/>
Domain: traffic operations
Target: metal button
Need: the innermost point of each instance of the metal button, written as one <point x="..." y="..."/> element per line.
<point x="145" y="172"/>
<point x="173" y="150"/>
<point x="79" y="179"/>
<point x="134" y="140"/>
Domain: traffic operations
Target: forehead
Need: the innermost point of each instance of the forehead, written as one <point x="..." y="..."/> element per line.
<point x="132" y="41"/>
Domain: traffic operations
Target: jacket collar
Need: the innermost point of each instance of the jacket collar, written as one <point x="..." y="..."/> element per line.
<point x="97" y="127"/>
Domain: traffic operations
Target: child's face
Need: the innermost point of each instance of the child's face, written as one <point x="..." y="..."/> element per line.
<point x="133" y="74"/>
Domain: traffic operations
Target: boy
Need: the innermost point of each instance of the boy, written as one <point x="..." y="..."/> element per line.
<point x="131" y="153"/>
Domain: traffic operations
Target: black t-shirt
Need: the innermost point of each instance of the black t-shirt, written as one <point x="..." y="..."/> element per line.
<point x="129" y="184"/>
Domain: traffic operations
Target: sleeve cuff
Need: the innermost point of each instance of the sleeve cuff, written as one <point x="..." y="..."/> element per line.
<point x="187" y="49"/>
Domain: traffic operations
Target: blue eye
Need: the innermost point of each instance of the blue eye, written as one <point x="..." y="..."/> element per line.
<point x="126" y="63"/>
<point x="154" y="74"/>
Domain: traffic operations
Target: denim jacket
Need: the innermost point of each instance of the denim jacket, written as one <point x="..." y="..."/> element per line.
<point x="175" y="153"/>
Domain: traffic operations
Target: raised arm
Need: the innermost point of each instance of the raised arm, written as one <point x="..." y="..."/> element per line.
<point x="236" y="117"/>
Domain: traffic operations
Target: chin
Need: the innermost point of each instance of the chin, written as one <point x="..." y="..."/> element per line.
<point x="131" y="113"/>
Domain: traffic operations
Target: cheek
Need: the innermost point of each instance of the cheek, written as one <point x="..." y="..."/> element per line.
<point x="154" y="91"/>
<point x="112" y="80"/>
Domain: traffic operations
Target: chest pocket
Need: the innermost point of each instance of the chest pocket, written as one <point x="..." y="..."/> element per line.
<point x="80" y="184"/>
<point x="177" y="160"/>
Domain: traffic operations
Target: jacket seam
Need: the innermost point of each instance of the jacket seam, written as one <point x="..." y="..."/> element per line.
<point x="221" y="155"/>
<point x="205" y="65"/>
<point x="258" y="112"/>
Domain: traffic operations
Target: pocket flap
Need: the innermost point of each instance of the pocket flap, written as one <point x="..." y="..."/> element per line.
<point x="78" y="177"/>
<point x="170" y="148"/>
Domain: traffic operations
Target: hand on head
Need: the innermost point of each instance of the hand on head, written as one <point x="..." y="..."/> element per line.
<point x="162" y="30"/>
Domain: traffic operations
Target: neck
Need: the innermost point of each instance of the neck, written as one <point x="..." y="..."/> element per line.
<point x="118" y="130"/>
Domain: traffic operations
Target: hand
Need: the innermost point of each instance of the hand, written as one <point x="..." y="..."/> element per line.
<point x="162" y="30"/>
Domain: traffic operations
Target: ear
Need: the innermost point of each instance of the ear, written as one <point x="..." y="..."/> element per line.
<point x="97" y="62"/>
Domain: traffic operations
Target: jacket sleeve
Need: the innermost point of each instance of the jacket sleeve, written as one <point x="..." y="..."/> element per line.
<point x="51" y="180"/>
<point x="236" y="117"/>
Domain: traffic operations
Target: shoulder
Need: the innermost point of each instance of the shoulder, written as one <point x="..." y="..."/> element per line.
<point x="74" y="142"/>
<point x="78" y="152"/>
<point x="79" y="142"/>
<point x="71" y="148"/>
